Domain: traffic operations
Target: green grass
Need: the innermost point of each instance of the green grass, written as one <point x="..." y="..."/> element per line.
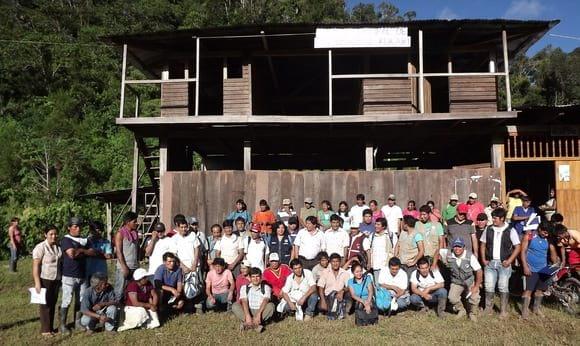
<point x="19" y="325"/>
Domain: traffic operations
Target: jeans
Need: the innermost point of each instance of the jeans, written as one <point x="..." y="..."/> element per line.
<point x="121" y="282"/>
<point x="238" y="310"/>
<point x="418" y="301"/>
<point x="72" y="286"/>
<point x="221" y="301"/>
<point x="495" y="273"/>
<point x="13" y="258"/>
<point x="91" y="322"/>
<point x="403" y="301"/>
<point x="310" y="303"/>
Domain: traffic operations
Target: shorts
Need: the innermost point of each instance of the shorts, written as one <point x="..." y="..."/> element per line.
<point x="536" y="282"/>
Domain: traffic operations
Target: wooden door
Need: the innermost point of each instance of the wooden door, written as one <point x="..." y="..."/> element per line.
<point x="568" y="193"/>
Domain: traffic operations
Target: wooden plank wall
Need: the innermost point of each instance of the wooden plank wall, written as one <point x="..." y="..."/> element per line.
<point x="237" y="93"/>
<point x="472" y="94"/>
<point x="386" y="96"/>
<point x="568" y="194"/>
<point x="210" y="195"/>
<point x="175" y="99"/>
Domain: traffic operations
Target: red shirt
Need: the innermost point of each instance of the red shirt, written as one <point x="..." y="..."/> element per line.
<point x="414" y="213"/>
<point x="474" y="210"/>
<point x="277" y="282"/>
<point x="240" y="281"/>
<point x="143" y="292"/>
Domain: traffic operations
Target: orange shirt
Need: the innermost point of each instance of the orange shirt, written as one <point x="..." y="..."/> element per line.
<point x="265" y="219"/>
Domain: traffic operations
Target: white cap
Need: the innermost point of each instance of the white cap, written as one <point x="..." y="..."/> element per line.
<point x="494" y="199"/>
<point x="139" y="274"/>
<point x="274" y="257"/>
<point x="473" y="195"/>
<point x="454" y="197"/>
<point x="246" y="263"/>
<point x="392" y="197"/>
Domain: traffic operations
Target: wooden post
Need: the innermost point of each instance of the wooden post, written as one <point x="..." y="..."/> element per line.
<point x="197" y="76"/>
<point x="496" y="155"/>
<point x="421" y="77"/>
<point x="492" y="62"/>
<point x="508" y="92"/>
<point x="225" y="68"/>
<point x="109" y="208"/>
<point x="369" y="159"/>
<point x="162" y="169"/>
<point x="123" y="72"/>
<point x="135" y="181"/>
<point x="247" y="155"/>
<point x="449" y="65"/>
<point x="330" y="82"/>
<point x="137" y="101"/>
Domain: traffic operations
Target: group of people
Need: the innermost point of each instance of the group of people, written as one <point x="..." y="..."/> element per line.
<point x="362" y="260"/>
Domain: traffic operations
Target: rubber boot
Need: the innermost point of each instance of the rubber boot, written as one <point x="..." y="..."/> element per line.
<point x="12" y="267"/>
<point x="473" y="309"/>
<point x="460" y="310"/>
<point x="537" y="304"/>
<point x="441" y="304"/>
<point x="505" y="298"/>
<point x="489" y="303"/>
<point x="63" y="329"/>
<point x="526" y="307"/>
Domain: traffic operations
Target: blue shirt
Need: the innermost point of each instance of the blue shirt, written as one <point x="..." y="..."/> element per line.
<point x="72" y="267"/>
<point x="243" y="214"/>
<point x="362" y="291"/>
<point x="367" y="228"/>
<point x="168" y="278"/>
<point x="537" y="254"/>
<point x="98" y="264"/>
<point x="519" y="211"/>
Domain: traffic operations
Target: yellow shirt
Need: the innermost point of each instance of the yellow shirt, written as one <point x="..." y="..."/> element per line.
<point x="512" y="204"/>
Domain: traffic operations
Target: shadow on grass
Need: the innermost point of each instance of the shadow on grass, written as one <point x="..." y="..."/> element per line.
<point x="17" y="323"/>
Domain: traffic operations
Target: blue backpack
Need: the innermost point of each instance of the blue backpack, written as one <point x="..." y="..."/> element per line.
<point x="382" y="298"/>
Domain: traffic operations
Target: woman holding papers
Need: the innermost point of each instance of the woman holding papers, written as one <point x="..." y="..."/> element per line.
<point x="46" y="258"/>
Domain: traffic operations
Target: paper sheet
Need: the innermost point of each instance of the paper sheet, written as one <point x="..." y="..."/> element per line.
<point x="37" y="298"/>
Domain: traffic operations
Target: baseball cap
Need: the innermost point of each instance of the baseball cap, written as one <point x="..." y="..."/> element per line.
<point x="473" y="195"/>
<point x="255" y="228"/>
<point x="308" y="200"/>
<point x="454" y="197"/>
<point x="458" y="242"/>
<point x="526" y="198"/>
<point x="353" y="225"/>
<point x="75" y="221"/>
<point x="192" y="220"/>
<point x="160" y="227"/>
<point x="246" y="263"/>
<point x="494" y="199"/>
<point x="392" y="197"/>
<point x="139" y="274"/>
<point x="286" y="201"/>
<point x="274" y="257"/>
<point x="462" y="208"/>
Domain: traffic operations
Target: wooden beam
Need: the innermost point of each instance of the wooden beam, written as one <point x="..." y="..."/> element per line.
<point x="508" y="92"/>
<point x="162" y="170"/>
<point x="123" y="73"/>
<point x="421" y="76"/>
<point x="135" y="180"/>
<point x="369" y="159"/>
<point x="109" y="219"/>
<point x="330" y="82"/>
<point x="197" y="48"/>
<point x="247" y="155"/>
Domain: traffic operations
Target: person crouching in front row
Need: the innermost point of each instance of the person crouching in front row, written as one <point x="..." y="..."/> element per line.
<point x="254" y="308"/>
<point x="99" y="305"/>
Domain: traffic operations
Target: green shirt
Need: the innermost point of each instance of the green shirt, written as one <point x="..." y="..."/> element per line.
<point x="449" y="212"/>
<point x="324" y="218"/>
<point x="438" y="228"/>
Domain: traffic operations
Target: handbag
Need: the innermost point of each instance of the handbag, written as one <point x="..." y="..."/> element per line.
<point x="361" y="317"/>
<point x="191" y="285"/>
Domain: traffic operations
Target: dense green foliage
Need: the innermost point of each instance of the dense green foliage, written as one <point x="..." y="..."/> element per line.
<point x="59" y="90"/>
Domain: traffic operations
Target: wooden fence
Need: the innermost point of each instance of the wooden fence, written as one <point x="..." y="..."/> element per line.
<point x="210" y="195"/>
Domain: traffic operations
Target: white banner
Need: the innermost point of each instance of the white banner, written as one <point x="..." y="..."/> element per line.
<point x="361" y="38"/>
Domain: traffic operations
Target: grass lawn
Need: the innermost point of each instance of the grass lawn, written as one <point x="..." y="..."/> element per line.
<point x="19" y="325"/>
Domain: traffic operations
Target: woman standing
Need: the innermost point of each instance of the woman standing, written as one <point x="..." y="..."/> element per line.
<point x="15" y="238"/>
<point x="377" y="212"/>
<point x="241" y="211"/>
<point x="264" y="218"/>
<point x="343" y="213"/>
<point x="280" y="243"/>
<point x="324" y="214"/>
<point x="46" y="266"/>
<point x="549" y="207"/>
<point x="411" y="209"/>
<point x="435" y="214"/>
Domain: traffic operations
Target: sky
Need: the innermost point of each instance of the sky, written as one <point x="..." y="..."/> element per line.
<point x="567" y="11"/>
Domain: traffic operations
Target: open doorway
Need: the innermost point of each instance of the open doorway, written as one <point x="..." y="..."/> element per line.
<point x="535" y="178"/>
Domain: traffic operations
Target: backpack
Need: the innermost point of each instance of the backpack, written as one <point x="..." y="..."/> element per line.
<point x="262" y="288"/>
<point x="192" y="285"/>
<point x="382" y="298"/>
<point x="361" y="317"/>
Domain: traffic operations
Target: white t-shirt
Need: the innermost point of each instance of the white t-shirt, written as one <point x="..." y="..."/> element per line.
<point x="497" y="233"/>
<point x="336" y="241"/>
<point x="303" y="287"/>
<point x="229" y="247"/>
<point x="255" y="253"/>
<point x="162" y="246"/>
<point x="400" y="280"/>
<point x="393" y="215"/>
<point x="473" y="260"/>
<point x="254" y="295"/>
<point x="423" y="283"/>
<point x="310" y="243"/>
<point x="185" y="248"/>
<point x="356" y="214"/>
<point x="379" y="250"/>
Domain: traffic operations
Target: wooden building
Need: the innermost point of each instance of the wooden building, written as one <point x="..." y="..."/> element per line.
<point x="325" y="97"/>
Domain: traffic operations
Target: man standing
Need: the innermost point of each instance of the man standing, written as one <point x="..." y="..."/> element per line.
<point x="427" y="287"/>
<point x="332" y="287"/>
<point x="432" y="233"/>
<point x="286" y="212"/>
<point x="275" y="276"/>
<point x="309" y="242"/>
<point x="308" y="210"/>
<point x="254" y="307"/>
<point x="255" y="249"/>
<point x="460" y="227"/>
<point x="299" y="291"/>
<point x="99" y="304"/>
<point x="411" y="245"/>
<point x="521" y="215"/>
<point x="15" y="243"/>
<point x="466" y="277"/>
<point x="103" y="249"/>
<point x="474" y="207"/>
<point x="367" y="226"/>
<point x="157" y="246"/>
<point x="381" y="249"/>
<point x="231" y="249"/>
<point x="73" y="271"/>
<point x="500" y="246"/>
<point x="451" y="209"/>
<point x="493" y="204"/>
<point x="397" y="282"/>
<point x="394" y="216"/>
<point x="358" y="249"/>
<point x="336" y="238"/>
<point x="187" y="246"/>
<point x="127" y="251"/>
<point x="356" y="211"/>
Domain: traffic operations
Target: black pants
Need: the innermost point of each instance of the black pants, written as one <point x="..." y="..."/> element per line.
<point x="47" y="311"/>
<point x="308" y="264"/>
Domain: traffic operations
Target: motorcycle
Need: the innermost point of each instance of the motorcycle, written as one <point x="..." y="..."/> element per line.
<point x="565" y="287"/>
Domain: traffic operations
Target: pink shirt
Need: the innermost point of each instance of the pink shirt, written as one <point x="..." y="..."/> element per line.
<point x="240" y="282"/>
<point x="378" y="214"/>
<point x="474" y="210"/>
<point x="220" y="283"/>
<point x="414" y="213"/>
<point x="331" y="282"/>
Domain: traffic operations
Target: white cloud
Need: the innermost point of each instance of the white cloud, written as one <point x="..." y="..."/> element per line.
<point x="525" y="9"/>
<point x="447" y="13"/>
